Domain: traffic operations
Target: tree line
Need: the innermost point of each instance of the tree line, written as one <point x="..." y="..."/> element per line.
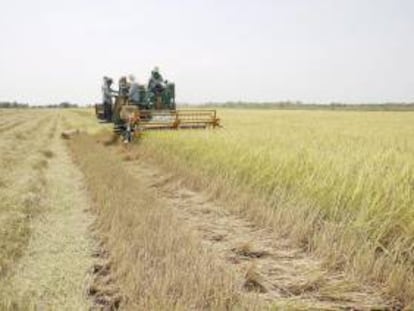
<point x="24" y="105"/>
<point x="297" y="105"/>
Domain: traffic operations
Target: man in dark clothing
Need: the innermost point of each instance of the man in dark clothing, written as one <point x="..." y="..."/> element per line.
<point x="107" y="93"/>
<point x="156" y="81"/>
<point x="123" y="87"/>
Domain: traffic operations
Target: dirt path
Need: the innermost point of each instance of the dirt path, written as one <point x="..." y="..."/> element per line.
<point x="266" y="266"/>
<point x="52" y="272"/>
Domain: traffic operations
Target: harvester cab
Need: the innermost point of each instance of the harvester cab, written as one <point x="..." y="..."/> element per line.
<point x="154" y="108"/>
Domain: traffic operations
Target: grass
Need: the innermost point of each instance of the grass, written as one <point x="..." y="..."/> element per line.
<point x="340" y="184"/>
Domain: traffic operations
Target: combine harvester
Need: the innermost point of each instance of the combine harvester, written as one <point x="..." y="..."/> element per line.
<point x="155" y="111"/>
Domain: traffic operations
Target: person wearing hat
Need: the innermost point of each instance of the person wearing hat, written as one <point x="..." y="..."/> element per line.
<point x="107" y="93"/>
<point x="156" y="81"/>
<point x="123" y="86"/>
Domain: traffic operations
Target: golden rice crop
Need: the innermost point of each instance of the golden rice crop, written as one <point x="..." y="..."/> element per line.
<point x="340" y="183"/>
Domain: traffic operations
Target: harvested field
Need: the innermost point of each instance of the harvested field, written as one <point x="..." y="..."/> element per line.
<point x="46" y="247"/>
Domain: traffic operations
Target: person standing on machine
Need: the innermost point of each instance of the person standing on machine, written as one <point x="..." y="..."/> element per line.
<point x="134" y="91"/>
<point x="107" y="94"/>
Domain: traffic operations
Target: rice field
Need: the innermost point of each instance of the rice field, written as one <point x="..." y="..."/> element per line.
<point x="339" y="183"/>
<point x="277" y="209"/>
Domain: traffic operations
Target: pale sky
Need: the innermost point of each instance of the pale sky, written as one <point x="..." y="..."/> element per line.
<point x="229" y="50"/>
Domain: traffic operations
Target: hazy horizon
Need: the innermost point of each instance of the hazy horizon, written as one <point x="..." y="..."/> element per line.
<point x="215" y="51"/>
